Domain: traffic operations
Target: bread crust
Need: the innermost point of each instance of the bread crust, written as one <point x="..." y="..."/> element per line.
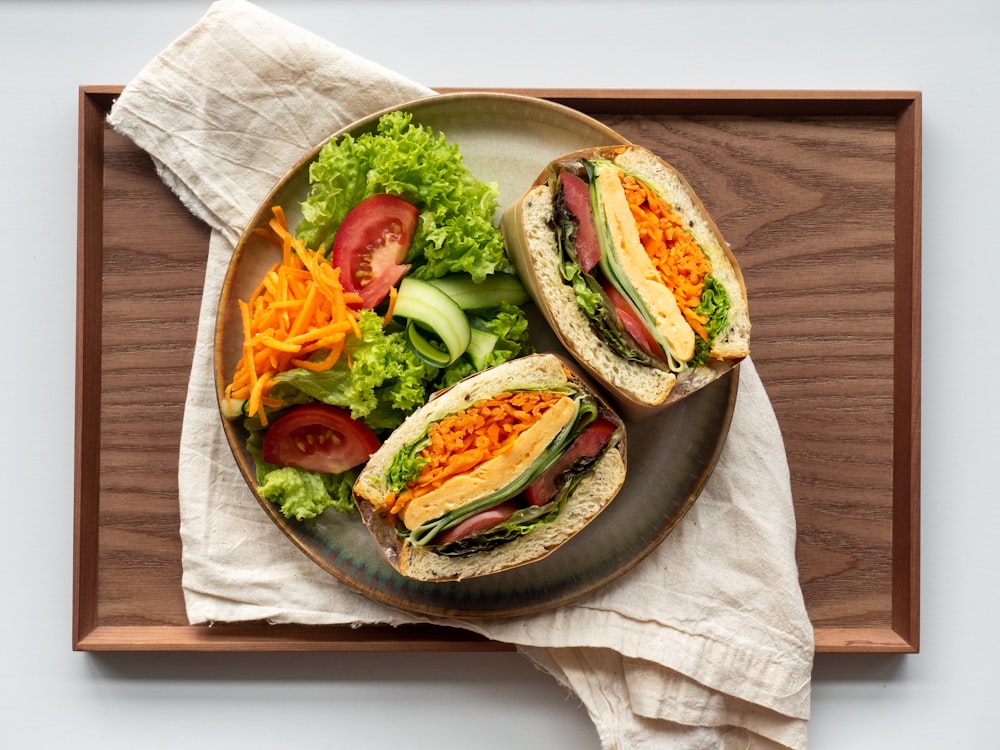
<point x="593" y="493"/>
<point x="637" y="390"/>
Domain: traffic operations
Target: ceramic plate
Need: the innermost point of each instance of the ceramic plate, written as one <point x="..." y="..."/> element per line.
<point x="507" y="139"/>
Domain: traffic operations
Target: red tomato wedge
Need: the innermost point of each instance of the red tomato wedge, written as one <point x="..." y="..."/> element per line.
<point x="633" y="323"/>
<point x="371" y="245"/>
<point x="320" y="438"/>
<point x="577" y="195"/>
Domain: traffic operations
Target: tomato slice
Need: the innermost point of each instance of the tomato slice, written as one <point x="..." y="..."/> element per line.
<point x="633" y="323"/>
<point x="371" y="245"/>
<point x="320" y="438"/>
<point x="577" y="195"/>
<point x="485" y="519"/>
<point x="587" y="445"/>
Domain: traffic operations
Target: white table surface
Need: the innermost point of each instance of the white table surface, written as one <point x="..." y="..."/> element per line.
<point x="53" y="697"/>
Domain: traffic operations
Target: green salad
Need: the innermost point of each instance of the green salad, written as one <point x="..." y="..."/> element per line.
<point x="455" y="285"/>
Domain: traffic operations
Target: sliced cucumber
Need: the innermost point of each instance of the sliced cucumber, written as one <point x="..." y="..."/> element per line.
<point x="233" y="408"/>
<point x="480" y="346"/>
<point x="427" y="350"/>
<point x="424" y="305"/>
<point x="472" y="295"/>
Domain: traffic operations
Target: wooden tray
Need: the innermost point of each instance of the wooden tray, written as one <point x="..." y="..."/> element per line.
<point x="819" y="194"/>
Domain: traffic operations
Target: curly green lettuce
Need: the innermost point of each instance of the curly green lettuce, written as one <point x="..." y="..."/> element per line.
<point x="302" y="494"/>
<point x="384" y="382"/>
<point x="455" y="232"/>
<point x="715" y="306"/>
<point x="298" y="493"/>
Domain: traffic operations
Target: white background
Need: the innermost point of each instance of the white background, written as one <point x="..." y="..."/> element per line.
<point x="943" y="697"/>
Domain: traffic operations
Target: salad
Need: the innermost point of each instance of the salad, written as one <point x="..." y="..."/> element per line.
<point x="394" y="284"/>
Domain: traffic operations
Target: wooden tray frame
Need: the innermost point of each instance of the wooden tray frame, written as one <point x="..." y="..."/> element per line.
<point x="126" y="593"/>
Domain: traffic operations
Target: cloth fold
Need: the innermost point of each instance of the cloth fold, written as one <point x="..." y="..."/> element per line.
<point x="705" y="644"/>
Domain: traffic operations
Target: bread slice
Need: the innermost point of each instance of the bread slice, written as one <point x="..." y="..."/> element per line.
<point x="636" y="389"/>
<point x="593" y="493"/>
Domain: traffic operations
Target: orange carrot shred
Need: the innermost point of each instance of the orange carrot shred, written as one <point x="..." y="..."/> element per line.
<point x="676" y="254"/>
<point x="460" y="442"/>
<point x="392" y="306"/>
<point x="298" y="309"/>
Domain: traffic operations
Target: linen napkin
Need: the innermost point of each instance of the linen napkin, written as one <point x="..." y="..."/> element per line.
<point x="705" y="644"/>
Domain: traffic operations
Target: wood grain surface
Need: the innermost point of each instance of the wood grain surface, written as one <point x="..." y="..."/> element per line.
<point x="818" y="194"/>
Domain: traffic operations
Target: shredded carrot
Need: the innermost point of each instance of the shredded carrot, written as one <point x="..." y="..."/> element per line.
<point x="298" y="309"/>
<point x="675" y="253"/>
<point x="463" y="441"/>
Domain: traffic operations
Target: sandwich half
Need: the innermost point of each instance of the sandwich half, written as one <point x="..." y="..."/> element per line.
<point x="494" y="472"/>
<point x="632" y="274"/>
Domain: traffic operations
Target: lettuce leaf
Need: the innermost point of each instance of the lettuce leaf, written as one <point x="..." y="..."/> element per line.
<point x="599" y="311"/>
<point x="384" y="382"/>
<point x="406" y="464"/>
<point x="522" y="522"/>
<point x="299" y="493"/>
<point x="715" y="304"/>
<point x="305" y="494"/>
<point x="455" y="232"/>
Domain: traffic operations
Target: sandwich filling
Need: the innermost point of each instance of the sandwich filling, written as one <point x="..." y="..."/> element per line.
<point x="639" y="274"/>
<point x="498" y="469"/>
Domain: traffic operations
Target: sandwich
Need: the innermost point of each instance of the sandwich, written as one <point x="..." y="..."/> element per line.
<point x="632" y="274"/>
<point x="494" y="472"/>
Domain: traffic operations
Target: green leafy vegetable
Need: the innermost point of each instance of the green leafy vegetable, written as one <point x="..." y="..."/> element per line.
<point x="384" y="382"/>
<point x="305" y="494"/>
<point x="299" y="493"/>
<point x="520" y="523"/>
<point x="715" y="304"/>
<point x="406" y="464"/>
<point x="455" y="231"/>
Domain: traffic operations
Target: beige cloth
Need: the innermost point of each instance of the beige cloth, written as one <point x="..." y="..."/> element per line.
<point x="705" y="644"/>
